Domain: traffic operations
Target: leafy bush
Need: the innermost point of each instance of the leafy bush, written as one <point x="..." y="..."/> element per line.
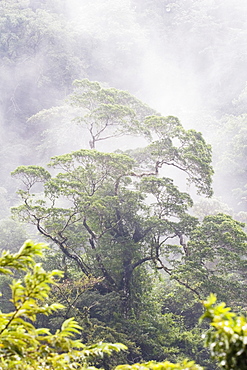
<point x="22" y="346"/>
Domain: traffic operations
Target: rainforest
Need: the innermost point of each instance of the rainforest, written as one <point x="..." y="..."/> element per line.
<point x="123" y="184"/>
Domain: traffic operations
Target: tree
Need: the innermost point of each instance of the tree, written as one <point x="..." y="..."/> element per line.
<point x="96" y="208"/>
<point x="216" y="259"/>
<point x="108" y="112"/>
<point x="91" y="114"/>
<point x="120" y="216"/>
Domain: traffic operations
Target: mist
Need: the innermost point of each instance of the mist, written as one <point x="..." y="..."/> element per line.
<point x="182" y="58"/>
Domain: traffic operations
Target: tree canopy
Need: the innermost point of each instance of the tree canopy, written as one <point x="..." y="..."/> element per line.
<point x="113" y="212"/>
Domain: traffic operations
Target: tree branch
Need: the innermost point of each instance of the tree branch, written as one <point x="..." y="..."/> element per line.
<point x="169" y="272"/>
<point x="92" y="241"/>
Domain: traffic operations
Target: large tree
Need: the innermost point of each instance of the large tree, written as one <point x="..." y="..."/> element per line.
<point x="113" y="212"/>
<point x="120" y="216"/>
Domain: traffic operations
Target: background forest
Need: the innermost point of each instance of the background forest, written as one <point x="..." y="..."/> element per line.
<point x="143" y="213"/>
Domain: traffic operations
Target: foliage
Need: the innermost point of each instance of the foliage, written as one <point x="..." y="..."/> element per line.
<point x="91" y="114"/>
<point x="22" y="346"/>
<point x="228" y="335"/>
<point x="95" y="209"/>
<point x="108" y="112"/>
<point x="190" y="365"/>
<point x="226" y="340"/>
<point x="216" y="258"/>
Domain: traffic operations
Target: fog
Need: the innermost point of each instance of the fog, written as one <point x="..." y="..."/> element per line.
<point x="181" y="62"/>
<point x="182" y="58"/>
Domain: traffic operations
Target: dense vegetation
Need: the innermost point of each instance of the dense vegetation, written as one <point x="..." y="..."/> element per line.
<point x="144" y="217"/>
<point x="24" y="346"/>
